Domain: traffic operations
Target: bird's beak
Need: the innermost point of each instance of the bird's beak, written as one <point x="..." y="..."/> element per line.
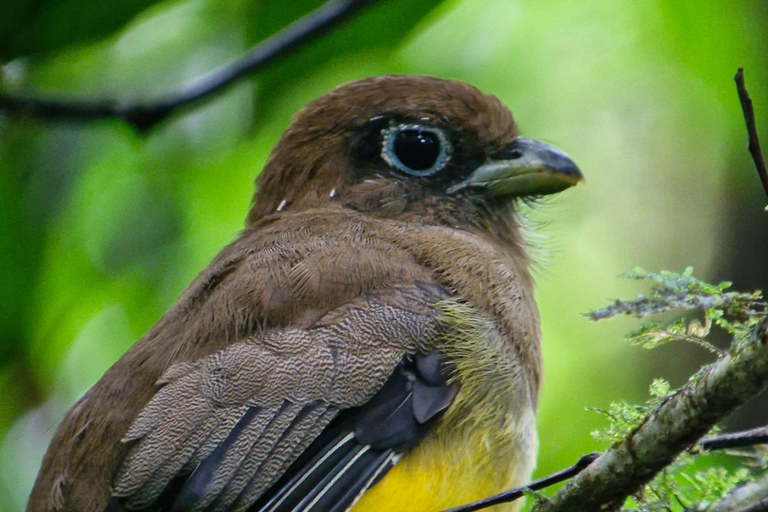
<point x="528" y="168"/>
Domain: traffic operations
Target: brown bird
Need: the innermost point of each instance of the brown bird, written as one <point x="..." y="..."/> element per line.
<point x="370" y="341"/>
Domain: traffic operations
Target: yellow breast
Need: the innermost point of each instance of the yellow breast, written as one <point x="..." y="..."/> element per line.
<point x="436" y="476"/>
<point x="485" y="444"/>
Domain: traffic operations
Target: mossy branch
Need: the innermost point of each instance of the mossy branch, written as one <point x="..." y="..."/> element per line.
<point x="677" y="423"/>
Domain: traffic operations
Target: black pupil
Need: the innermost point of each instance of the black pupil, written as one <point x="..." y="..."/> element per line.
<point x="417" y="149"/>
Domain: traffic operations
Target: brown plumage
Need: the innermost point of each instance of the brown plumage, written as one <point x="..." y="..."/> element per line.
<point x="350" y="261"/>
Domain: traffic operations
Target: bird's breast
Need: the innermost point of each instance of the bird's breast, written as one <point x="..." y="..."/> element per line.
<point x="447" y="470"/>
<point x="486" y="442"/>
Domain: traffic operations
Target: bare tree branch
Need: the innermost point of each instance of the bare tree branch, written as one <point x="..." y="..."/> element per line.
<point x="677" y="423"/>
<point x="736" y="439"/>
<point x="749" y="118"/>
<point x="519" y="492"/>
<point x="144" y="116"/>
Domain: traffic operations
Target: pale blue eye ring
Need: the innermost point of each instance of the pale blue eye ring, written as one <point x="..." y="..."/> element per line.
<point x="415" y="149"/>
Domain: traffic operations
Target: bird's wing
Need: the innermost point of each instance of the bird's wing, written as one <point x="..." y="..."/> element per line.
<point x="348" y="394"/>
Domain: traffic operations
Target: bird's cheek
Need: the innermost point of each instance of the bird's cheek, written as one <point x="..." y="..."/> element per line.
<point x="388" y="197"/>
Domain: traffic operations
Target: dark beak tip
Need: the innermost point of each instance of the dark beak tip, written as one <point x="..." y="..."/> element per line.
<point x="566" y="171"/>
<point x="578" y="176"/>
<point x="554" y="159"/>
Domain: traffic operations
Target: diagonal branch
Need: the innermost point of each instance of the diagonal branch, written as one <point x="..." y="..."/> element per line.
<point x="673" y="426"/>
<point x="143" y="116"/>
<point x="749" y="118"/>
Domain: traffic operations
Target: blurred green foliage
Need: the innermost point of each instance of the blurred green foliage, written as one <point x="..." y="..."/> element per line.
<point x="40" y="27"/>
<point x="101" y="228"/>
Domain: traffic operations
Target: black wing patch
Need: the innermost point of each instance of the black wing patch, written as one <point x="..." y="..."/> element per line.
<point x="350" y="455"/>
<point x="363" y="443"/>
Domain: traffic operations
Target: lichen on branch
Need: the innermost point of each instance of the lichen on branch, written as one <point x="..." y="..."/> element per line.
<point x="672" y="291"/>
<point x="648" y="439"/>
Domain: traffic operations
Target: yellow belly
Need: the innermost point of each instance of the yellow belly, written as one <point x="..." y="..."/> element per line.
<point x="486" y="442"/>
<point x="432" y="477"/>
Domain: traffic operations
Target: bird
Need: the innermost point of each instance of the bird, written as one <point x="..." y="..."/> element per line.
<point x="370" y="340"/>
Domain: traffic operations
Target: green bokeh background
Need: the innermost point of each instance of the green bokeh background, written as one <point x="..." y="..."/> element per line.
<point x="101" y="228"/>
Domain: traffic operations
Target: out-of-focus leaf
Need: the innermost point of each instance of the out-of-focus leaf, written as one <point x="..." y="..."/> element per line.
<point x="23" y="237"/>
<point x="37" y="27"/>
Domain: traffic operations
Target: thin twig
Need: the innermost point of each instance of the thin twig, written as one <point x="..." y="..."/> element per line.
<point x="749" y="118"/>
<point x="144" y="116"/>
<point x="736" y="439"/>
<point x="518" y="492"/>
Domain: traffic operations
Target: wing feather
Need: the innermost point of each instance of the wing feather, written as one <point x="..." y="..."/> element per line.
<point x="353" y="482"/>
<point x="225" y="432"/>
<point x="362" y="443"/>
<point x="221" y="422"/>
<point x="261" y="470"/>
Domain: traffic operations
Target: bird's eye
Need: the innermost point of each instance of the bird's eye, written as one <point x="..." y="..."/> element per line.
<point x="415" y="149"/>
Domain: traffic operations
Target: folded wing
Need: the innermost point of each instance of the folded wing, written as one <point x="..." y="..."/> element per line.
<point x="301" y="420"/>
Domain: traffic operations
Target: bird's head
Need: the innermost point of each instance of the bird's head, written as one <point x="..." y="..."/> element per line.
<point x="401" y="146"/>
